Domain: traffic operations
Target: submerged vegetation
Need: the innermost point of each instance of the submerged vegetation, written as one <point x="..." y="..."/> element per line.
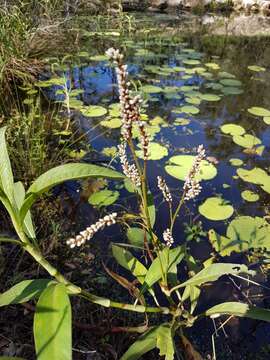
<point x="114" y="217"/>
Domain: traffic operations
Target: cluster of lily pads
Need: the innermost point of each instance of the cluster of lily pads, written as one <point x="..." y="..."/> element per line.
<point x="184" y="84"/>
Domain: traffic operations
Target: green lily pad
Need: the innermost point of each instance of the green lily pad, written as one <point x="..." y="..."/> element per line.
<point x="112" y="123"/>
<point x="94" y="111"/>
<point x="210" y="97"/>
<point x="180" y="165"/>
<point x="110" y="151"/>
<point x="156" y="151"/>
<point x="225" y="74"/>
<point x="259" y="111"/>
<point x="230" y="82"/>
<point x="246" y="140"/>
<point x="193" y="100"/>
<point x="256" y="176"/>
<point x="256" y="68"/>
<point x="187" y="109"/>
<point x="236" y="162"/>
<point x="232" y="129"/>
<point x="229" y="90"/>
<point x="151" y="89"/>
<point x="212" y="66"/>
<point x="182" y="121"/>
<point x="103" y="198"/>
<point x="215" y="208"/>
<point x="191" y="62"/>
<point x="249" y="196"/>
<point x="243" y="233"/>
<point x="266" y="119"/>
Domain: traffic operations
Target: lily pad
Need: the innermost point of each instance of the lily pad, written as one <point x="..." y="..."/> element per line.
<point x="236" y="162"/>
<point x="151" y="89"/>
<point x="156" y="151"/>
<point x="230" y="82"/>
<point x="212" y="66"/>
<point x="188" y="109"/>
<point x="180" y="165"/>
<point x="210" y="97"/>
<point x="232" y="129"/>
<point x="246" y="140"/>
<point x="94" y="111"/>
<point x="110" y="151"/>
<point x="191" y="62"/>
<point x="243" y="233"/>
<point x="259" y="111"/>
<point x="103" y="198"/>
<point x="256" y="68"/>
<point x="266" y="119"/>
<point x="229" y="90"/>
<point x="112" y="123"/>
<point x="182" y="121"/>
<point x="216" y="208"/>
<point x="256" y="176"/>
<point x="249" y="196"/>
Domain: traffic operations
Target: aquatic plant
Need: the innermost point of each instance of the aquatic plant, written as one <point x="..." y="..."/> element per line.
<point x="180" y="298"/>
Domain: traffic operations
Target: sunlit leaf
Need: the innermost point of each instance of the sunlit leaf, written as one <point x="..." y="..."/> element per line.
<point x="216" y="208"/>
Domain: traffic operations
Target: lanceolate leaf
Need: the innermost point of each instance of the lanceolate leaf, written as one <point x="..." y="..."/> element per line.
<point x="215" y="271"/>
<point x="239" y="309"/>
<point x="129" y="262"/>
<point x="63" y="173"/>
<point x="24" y="291"/>
<point x="52" y="324"/>
<point x="166" y="260"/>
<point x="19" y="195"/>
<point x="145" y="343"/>
<point x="165" y="342"/>
<point x="6" y="176"/>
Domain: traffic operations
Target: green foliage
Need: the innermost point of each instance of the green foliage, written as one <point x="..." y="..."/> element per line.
<point x="53" y="313"/>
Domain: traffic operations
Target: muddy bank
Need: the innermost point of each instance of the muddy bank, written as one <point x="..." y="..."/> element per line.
<point x="248" y="6"/>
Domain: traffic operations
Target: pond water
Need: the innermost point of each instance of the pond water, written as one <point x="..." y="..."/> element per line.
<point x="198" y="88"/>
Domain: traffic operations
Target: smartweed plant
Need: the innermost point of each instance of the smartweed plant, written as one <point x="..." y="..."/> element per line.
<point x="158" y="275"/>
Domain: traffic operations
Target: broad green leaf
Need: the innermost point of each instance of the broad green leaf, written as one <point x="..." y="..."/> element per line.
<point x="259" y="111"/>
<point x="165" y="342"/>
<point x="6" y="175"/>
<point x="239" y="309"/>
<point x="215" y="271"/>
<point x="52" y="324"/>
<point x="250" y="196"/>
<point x="151" y="209"/>
<point x="232" y="129"/>
<point x="156" y="151"/>
<point x="216" y="208"/>
<point x="166" y="260"/>
<point x="63" y="173"/>
<point x="144" y="344"/>
<point x="136" y="236"/>
<point x="129" y="262"/>
<point x="19" y="196"/>
<point x="193" y="293"/>
<point x="24" y="291"/>
<point x="246" y="141"/>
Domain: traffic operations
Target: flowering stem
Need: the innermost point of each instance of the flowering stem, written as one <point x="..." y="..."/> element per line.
<point x="181" y="202"/>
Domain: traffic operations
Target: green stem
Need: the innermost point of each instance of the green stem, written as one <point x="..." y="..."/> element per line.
<point x="181" y="202"/>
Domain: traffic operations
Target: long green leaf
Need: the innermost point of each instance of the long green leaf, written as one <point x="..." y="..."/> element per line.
<point x="213" y="272"/>
<point x="19" y="195"/>
<point x="145" y="343"/>
<point x="52" y="325"/>
<point x="129" y="262"/>
<point x="166" y="260"/>
<point x="6" y="175"/>
<point x="24" y="291"/>
<point x="165" y="342"/>
<point x="239" y="309"/>
<point x="151" y="209"/>
<point x="63" y="173"/>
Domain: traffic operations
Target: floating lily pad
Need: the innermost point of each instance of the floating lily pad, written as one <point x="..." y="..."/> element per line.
<point x="249" y="196"/>
<point x="191" y="62"/>
<point x="212" y="66"/>
<point x="246" y="140"/>
<point x="94" y="111"/>
<point x="193" y="100"/>
<point x="103" y="198"/>
<point x="228" y="90"/>
<point x="112" y="123"/>
<point x="151" y="89"/>
<point x="225" y="74"/>
<point x="230" y="82"/>
<point x="266" y="119"/>
<point x="243" y="233"/>
<point x="110" y="151"/>
<point x="236" y="162"/>
<point x="232" y="129"/>
<point x="259" y="111"/>
<point x="182" y="121"/>
<point x="256" y="176"/>
<point x="156" y="151"/>
<point x="180" y="165"/>
<point x="210" y="97"/>
<point x="215" y="208"/>
<point x="187" y="109"/>
<point x="256" y="68"/>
